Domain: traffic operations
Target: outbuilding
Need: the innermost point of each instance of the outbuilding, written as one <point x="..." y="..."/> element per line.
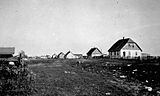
<point x="70" y="55"/>
<point x="94" y="53"/>
<point x="61" y="55"/>
<point x="6" y="52"/>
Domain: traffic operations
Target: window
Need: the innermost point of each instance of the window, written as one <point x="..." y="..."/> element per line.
<point x="117" y="53"/>
<point x="136" y="53"/>
<point x="129" y="53"/>
<point x="129" y="45"/>
<point x="111" y="53"/>
<point x="133" y="45"/>
<point x="114" y="53"/>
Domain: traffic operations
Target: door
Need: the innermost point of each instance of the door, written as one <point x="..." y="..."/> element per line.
<point x="124" y="54"/>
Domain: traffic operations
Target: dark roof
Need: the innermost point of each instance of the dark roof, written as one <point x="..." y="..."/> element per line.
<point x="7" y="50"/>
<point x="60" y="54"/>
<point x="67" y="53"/>
<point x="92" y="49"/>
<point x="120" y="44"/>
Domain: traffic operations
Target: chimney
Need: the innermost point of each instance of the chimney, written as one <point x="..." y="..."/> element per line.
<point x="123" y="37"/>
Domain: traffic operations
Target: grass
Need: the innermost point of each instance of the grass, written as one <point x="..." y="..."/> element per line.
<point x="70" y="78"/>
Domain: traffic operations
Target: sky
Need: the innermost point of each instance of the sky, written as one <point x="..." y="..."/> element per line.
<point x="41" y="27"/>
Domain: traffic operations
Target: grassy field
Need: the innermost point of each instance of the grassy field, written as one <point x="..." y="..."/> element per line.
<point x="81" y="78"/>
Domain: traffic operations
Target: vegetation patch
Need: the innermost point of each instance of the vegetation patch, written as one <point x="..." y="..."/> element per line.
<point x="16" y="81"/>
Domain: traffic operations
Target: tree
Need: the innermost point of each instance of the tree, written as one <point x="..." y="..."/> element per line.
<point x="22" y="54"/>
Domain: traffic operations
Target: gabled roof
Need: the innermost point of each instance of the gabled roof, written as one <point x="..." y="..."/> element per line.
<point x="120" y="44"/>
<point x="61" y="53"/>
<point x="92" y="50"/>
<point x="68" y="53"/>
<point x="76" y="55"/>
<point x="54" y="55"/>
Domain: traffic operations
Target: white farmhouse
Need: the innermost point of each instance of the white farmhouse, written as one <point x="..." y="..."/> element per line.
<point x="125" y="48"/>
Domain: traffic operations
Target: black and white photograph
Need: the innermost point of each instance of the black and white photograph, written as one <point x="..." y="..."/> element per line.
<point x="79" y="47"/>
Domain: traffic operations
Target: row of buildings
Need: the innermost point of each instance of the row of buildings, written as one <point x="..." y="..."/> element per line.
<point x="123" y="48"/>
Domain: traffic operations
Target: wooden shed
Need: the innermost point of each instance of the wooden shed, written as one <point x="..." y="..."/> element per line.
<point x="6" y="52"/>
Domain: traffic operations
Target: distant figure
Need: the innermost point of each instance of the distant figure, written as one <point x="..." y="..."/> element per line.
<point x="20" y="60"/>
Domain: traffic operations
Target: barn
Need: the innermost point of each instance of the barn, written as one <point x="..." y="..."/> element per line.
<point x="94" y="53"/>
<point x="125" y="48"/>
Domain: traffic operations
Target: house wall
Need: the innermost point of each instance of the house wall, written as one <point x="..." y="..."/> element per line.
<point x="96" y="53"/>
<point x="61" y="56"/>
<point x="43" y="57"/>
<point x="114" y="54"/>
<point x="6" y="55"/>
<point x="71" y="56"/>
<point x="131" y="46"/>
<point x="130" y="53"/>
<point x="54" y="56"/>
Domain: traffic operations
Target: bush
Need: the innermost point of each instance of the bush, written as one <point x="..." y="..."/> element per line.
<point x="16" y="81"/>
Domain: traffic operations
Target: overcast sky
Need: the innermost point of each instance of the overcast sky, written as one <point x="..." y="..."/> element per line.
<point x="50" y="26"/>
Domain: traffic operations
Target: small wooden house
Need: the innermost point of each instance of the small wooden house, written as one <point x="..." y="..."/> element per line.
<point x="6" y="52"/>
<point x="70" y="55"/>
<point x="61" y="55"/>
<point x="125" y="48"/>
<point x="94" y="53"/>
<point x="44" y="57"/>
<point x="54" y="56"/>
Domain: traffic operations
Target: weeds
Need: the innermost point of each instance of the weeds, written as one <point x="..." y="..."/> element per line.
<point x="16" y="81"/>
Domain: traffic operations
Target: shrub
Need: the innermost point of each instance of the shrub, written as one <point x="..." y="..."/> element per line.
<point x="16" y="81"/>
